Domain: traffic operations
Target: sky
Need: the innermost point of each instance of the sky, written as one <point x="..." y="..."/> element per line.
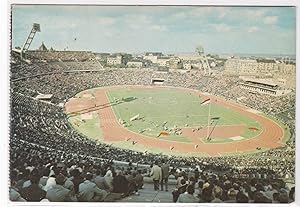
<point x="168" y="29"/>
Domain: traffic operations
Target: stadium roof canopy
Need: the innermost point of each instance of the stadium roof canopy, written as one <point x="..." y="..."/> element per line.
<point x="265" y="61"/>
<point x="260" y="81"/>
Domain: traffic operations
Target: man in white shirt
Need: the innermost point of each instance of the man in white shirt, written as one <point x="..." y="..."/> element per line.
<point x="156" y="175"/>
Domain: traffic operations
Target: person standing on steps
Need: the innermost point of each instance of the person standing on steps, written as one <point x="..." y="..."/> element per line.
<point x="165" y="168"/>
<point x="156" y="175"/>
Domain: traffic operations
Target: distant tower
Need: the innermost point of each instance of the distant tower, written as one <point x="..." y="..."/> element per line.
<point x="203" y="59"/>
<point x="200" y="50"/>
<point x="35" y="28"/>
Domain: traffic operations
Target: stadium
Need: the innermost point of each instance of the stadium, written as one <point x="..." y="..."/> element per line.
<point x="74" y="118"/>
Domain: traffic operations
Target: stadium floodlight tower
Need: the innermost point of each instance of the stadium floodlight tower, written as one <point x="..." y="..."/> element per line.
<point x="35" y="28"/>
<point x="203" y="59"/>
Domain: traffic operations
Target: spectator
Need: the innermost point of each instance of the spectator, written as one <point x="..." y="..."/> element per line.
<point x="217" y="194"/>
<point x="34" y="172"/>
<point x="109" y="180"/>
<point x="292" y="194"/>
<point x="260" y="198"/>
<point x="199" y="189"/>
<point x="241" y="198"/>
<point x="44" y="178"/>
<point x="120" y="183"/>
<point x="132" y="186"/>
<point x="23" y="177"/>
<point x="33" y="192"/>
<point x="77" y="179"/>
<point x="231" y="196"/>
<point x="176" y="192"/>
<point x="165" y="168"/>
<point x="139" y="179"/>
<point x="50" y="182"/>
<point x="206" y="196"/>
<point x="100" y="180"/>
<point x="180" y="177"/>
<point x="89" y="192"/>
<point x="14" y="195"/>
<point x="58" y="193"/>
<point x="275" y="198"/>
<point x="283" y="196"/>
<point x="197" y="174"/>
<point x="156" y="175"/>
<point x="188" y="196"/>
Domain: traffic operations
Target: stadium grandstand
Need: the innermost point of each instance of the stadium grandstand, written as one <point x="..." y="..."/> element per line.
<point x="44" y="145"/>
<point x="47" y="153"/>
<point x="263" y="86"/>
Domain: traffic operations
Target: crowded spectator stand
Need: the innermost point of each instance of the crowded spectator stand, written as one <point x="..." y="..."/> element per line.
<point x="46" y="153"/>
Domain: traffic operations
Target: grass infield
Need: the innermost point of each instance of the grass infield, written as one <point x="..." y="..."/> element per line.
<point x="174" y="108"/>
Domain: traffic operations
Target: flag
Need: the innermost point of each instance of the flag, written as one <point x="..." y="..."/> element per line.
<point x="205" y="102"/>
<point x="171" y="148"/>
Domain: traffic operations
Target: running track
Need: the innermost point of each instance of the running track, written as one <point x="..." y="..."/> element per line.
<point x="270" y="137"/>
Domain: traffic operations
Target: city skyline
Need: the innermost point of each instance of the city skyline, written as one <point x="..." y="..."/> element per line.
<point x="169" y="29"/>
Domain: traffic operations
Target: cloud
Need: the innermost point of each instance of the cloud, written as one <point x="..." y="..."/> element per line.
<point x="161" y="28"/>
<point x="194" y="12"/>
<point x="137" y="22"/>
<point x="252" y="29"/>
<point x="106" y="21"/>
<point x="270" y="20"/>
<point x="222" y="12"/>
<point x="201" y="11"/>
<point x="136" y="19"/>
<point x="221" y="27"/>
<point x="249" y="14"/>
<point x="204" y="11"/>
<point x="145" y="28"/>
<point x="256" y="14"/>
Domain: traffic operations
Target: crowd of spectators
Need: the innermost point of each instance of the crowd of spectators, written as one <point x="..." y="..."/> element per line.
<point x="41" y="138"/>
<point x="53" y="56"/>
<point x="193" y="186"/>
<point x="44" y="174"/>
<point x="22" y="68"/>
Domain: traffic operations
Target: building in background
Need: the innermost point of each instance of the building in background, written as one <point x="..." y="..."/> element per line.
<point x="135" y="64"/>
<point x="279" y="72"/>
<point x="152" y="56"/>
<point x="114" y="60"/>
<point x="265" y="66"/>
<point x="163" y="61"/>
<point x="240" y="67"/>
<point x="175" y="63"/>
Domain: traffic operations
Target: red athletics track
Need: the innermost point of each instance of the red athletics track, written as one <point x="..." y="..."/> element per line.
<point x="270" y="137"/>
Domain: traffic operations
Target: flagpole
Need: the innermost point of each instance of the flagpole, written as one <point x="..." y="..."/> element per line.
<point x="208" y="121"/>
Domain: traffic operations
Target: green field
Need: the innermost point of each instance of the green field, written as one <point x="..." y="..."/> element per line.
<point x="173" y="106"/>
<point x="90" y="127"/>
